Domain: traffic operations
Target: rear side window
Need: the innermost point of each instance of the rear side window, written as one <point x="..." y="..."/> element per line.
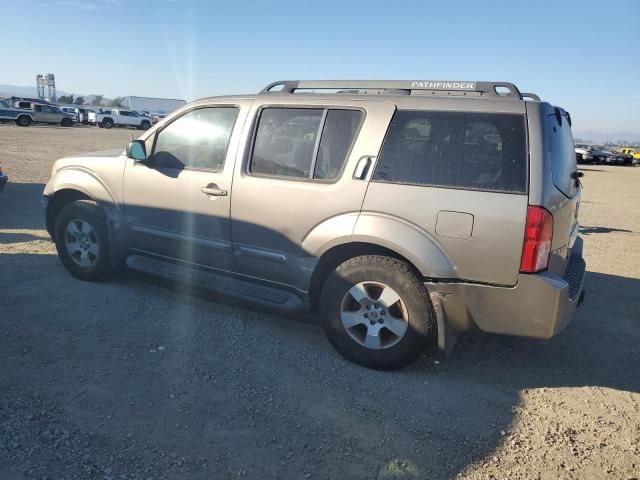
<point x="464" y="150"/>
<point x="563" y="156"/>
<point x="303" y="143"/>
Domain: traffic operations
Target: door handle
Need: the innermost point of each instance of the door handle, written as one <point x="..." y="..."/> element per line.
<point x="214" y="191"/>
<point x="362" y="168"/>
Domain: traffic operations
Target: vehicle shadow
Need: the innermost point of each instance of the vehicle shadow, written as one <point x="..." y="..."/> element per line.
<point x="232" y="384"/>
<point x="585" y="230"/>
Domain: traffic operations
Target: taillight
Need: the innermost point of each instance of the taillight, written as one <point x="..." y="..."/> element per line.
<point x="538" y="233"/>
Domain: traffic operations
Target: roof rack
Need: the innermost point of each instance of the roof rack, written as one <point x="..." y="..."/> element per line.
<point x="402" y="87"/>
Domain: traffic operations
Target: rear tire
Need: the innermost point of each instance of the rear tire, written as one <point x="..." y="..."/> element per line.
<point x="107" y="123"/>
<point x="82" y="241"/>
<point x="23" y="121"/>
<point x="579" y="158"/>
<point x="352" y="324"/>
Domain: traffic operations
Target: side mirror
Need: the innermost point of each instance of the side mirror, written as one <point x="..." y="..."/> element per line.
<point x="137" y="151"/>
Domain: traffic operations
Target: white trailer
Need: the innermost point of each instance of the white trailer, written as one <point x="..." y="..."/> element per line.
<point x="152" y="105"/>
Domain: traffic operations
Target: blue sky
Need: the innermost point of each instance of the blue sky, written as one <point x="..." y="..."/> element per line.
<point x="582" y="55"/>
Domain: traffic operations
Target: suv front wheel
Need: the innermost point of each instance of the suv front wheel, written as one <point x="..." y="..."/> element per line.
<point x="377" y="312"/>
<point x="82" y="241"/>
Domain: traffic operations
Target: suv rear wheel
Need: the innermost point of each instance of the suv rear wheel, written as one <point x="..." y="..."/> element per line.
<point x="107" y="123"/>
<point x="82" y="241"/>
<point x="377" y="312"/>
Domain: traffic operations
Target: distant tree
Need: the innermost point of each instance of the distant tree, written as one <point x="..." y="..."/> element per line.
<point x="65" y="99"/>
<point x="116" y="102"/>
<point x="80" y="100"/>
<point x="97" y="100"/>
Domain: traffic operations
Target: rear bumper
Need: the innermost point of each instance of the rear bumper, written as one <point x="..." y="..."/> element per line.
<point x="4" y="178"/>
<point x="539" y="306"/>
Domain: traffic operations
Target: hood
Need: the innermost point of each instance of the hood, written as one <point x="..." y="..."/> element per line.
<point x="101" y="153"/>
<point x="102" y="163"/>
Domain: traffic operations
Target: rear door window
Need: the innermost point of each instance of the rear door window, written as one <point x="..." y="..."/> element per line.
<point x="464" y="150"/>
<point x="563" y="157"/>
<point x="303" y="143"/>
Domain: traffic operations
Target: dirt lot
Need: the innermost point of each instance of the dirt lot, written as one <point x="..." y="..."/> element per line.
<point x="132" y="380"/>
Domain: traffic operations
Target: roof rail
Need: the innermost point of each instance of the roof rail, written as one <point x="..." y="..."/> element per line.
<point x="532" y="96"/>
<point x="411" y="87"/>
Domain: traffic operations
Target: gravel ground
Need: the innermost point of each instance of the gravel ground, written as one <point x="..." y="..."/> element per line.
<point x="131" y="379"/>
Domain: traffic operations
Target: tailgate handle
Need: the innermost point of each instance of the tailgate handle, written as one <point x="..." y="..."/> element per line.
<point x="362" y="168"/>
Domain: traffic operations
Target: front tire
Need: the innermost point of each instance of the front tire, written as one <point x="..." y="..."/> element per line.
<point x="82" y="241"/>
<point x="145" y="125"/>
<point x="66" y="122"/>
<point x="23" y="121"/>
<point x="377" y="312"/>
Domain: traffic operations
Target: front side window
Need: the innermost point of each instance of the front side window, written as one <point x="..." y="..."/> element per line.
<point x="303" y="143"/>
<point x="198" y="139"/>
<point x="465" y="150"/>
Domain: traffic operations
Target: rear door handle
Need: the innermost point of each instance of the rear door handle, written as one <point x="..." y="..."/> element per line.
<point x="214" y="191"/>
<point x="362" y="168"/>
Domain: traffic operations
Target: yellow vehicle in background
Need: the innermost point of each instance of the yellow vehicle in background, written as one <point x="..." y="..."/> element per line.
<point x="634" y="152"/>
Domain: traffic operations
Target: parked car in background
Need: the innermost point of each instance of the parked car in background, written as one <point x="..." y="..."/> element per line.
<point x="120" y="118"/>
<point x="156" y="117"/>
<point x="4" y="178"/>
<point x="604" y="155"/>
<point x="83" y="115"/>
<point x="301" y="200"/>
<point x="584" y="153"/>
<point x="45" y="113"/>
<point x="71" y="111"/>
<point x="21" y="117"/>
<point x="634" y="152"/>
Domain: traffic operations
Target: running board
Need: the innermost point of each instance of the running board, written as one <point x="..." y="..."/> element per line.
<point x="218" y="283"/>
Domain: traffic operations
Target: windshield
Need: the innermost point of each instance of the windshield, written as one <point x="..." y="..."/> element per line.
<point x="4" y="104"/>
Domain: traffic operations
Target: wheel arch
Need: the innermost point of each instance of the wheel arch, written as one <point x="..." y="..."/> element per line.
<point x="340" y="253"/>
<point x="70" y="184"/>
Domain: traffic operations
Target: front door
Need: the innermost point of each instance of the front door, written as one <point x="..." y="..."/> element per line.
<point x="177" y="202"/>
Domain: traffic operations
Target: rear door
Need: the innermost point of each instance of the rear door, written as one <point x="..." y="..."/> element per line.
<point x="298" y="172"/>
<point x="461" y="179"/>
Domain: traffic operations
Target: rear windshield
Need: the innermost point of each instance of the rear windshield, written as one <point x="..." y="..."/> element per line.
<point x="563" y="156"/>
<point x="463" y="150"/>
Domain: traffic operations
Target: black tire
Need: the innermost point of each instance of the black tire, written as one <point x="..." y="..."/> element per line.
<point x="66" y="122"/>
<point x="23" y="121"/>
<point x="107" y="123"/>
<point x="579" y="158"/>
<point x="145" y="125"/>
<point x="100" y="125"/>
<point x="87" y="211"/>
<point x="396" y="274"/>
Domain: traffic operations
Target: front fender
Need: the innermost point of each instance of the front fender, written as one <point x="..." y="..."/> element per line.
<point x="85" y="181"/>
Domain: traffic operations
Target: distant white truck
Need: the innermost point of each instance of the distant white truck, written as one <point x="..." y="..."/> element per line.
<point x="149" y="104"/>
<point x="118" y="117"/>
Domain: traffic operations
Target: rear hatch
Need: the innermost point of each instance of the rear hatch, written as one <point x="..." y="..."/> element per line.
<point x="564" y="203"/>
